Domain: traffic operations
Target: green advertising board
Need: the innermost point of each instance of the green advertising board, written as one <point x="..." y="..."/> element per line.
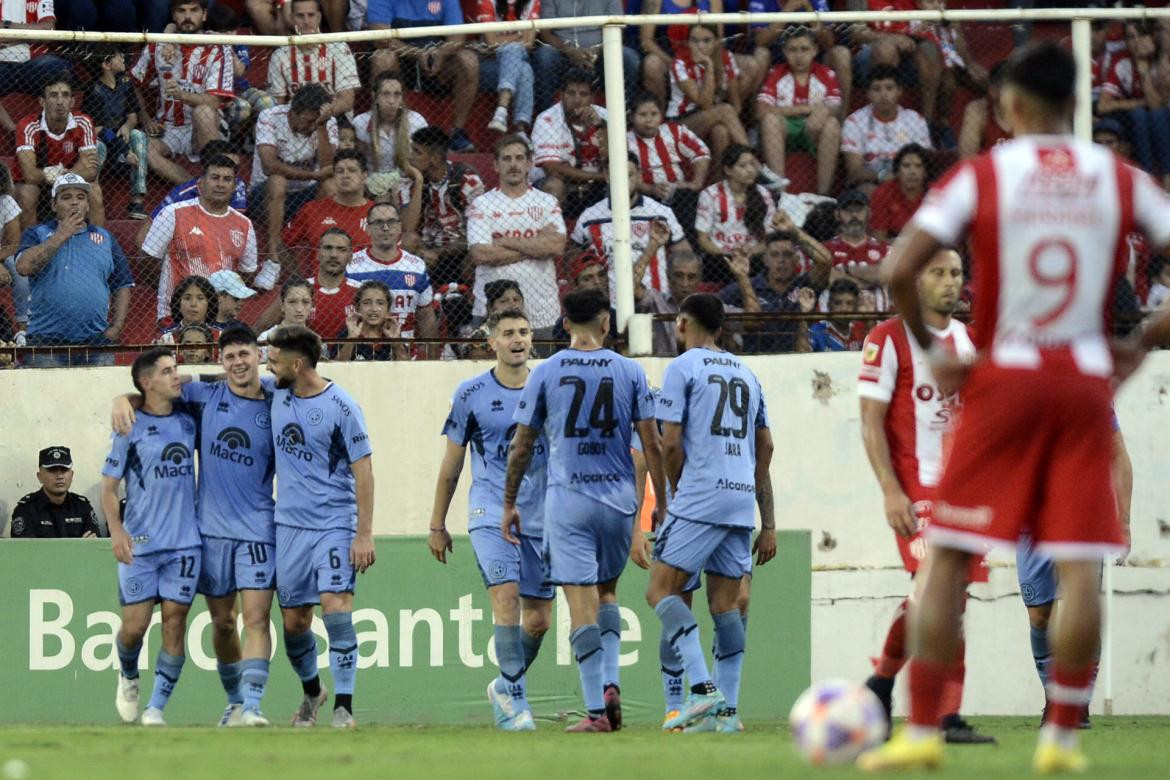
<point x="424" y="632"/>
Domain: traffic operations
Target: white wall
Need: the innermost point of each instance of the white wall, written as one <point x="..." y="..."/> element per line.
<point x="822" y="482"/>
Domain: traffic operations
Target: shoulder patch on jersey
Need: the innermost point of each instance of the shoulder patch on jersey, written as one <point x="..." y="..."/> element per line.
<point x="872" y="352"/>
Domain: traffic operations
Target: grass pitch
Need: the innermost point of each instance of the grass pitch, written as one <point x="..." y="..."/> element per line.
<point x="1120" y="747"/>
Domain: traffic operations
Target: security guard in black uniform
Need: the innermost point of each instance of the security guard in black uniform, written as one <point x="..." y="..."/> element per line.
<point x="53" y="512"/>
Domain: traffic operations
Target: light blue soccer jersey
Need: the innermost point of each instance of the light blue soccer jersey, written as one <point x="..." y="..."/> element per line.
<point x="157" y="460"/>
<point x="481" y="417"/>
<point x="587" y="402"/>
<point x="235" y="461"/>
<point x="720" y="404"/>
<point x="316" y="439"/>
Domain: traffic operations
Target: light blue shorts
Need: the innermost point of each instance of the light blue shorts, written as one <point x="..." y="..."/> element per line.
<point x="725" y="551"/>
<point x="310" y="562"/>
<point x="168" y="575"/>
<point x="501" y="561"/>
<point x="230" y="565"/>
<point x="1037" y="574"/>
<point x="585" y="542"/>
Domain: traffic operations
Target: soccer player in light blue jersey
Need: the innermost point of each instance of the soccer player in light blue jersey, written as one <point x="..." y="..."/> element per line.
<point x="715" y="420"/>
<point x="324" y="515"/>
<point x="235" y="516"/>
<point x="157" y="541"/>
<point x="481" y="417"/>
<point x="587" y="399"/>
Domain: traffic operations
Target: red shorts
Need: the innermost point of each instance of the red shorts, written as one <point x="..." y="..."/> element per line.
<point x="913" y="550"/>
<point x="1032" y="453"/>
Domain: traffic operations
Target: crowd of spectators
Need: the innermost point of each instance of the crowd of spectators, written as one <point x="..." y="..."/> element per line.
<point x="365" y="211"/>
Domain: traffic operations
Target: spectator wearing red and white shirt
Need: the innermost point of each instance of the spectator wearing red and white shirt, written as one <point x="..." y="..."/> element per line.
<point x="1138" y="86"/>
<point x="872" y="136"/>
<point x="735" y="214"/>
<point x="892" y="42"/>
<point x="52" y="143"/>
<point x="705" y="90"/>
<point x="857" y="255"/>
<point x="799" y="106"/>
<point x="192" y="82"/>
<point x="201" y="236"/>
<point x="567" y="140"/>
<point x="436" y="230"/>
<point x="1106" y="44"/>
<point x="673" y="160"/>
<point x="329" y="64"/>
<point x="346" y="209"/>
<point x="514" y="232"/>
<point x="24" y="67"/>
<point x="895" y="201"/>
<point x="332" y="291"/>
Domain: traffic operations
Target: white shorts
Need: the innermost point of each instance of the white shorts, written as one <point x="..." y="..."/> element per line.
<point x="178" y="140"/>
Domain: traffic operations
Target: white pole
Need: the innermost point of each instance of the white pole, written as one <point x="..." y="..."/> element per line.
<point x="619" y="191"/>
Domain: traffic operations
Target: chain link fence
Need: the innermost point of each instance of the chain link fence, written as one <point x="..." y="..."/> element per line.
<point x="400" y="191"/>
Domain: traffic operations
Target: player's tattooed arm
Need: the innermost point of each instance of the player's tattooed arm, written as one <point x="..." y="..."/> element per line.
<point x="765" y="544"/>
<point x="519" y="456"/>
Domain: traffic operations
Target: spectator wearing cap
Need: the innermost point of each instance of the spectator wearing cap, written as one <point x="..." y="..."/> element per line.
<point x="74" y="269"/>
<point x="857" y="255"/>
<point x="53" y="512"/>
<point x="588" y="271"/>
<point x="231" y="292"/>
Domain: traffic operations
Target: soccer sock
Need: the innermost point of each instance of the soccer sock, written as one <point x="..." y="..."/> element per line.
<point x="342" y="655"/>
<point x="531" y="646"/>
<point x="609" y="622"/>
<point x="952" y="692"/>
<point x="301" y="650"/>
<point x="166" y="676"/>
<point x="927" y="680"/>
<point x="729" y="647"/>
<point x="672" y="674"/>
<point x="255" y="676"/>
<point x="1041" y="654"/>
<point x="586" y="641"/>
<point x="1069" y="692"/>
<point x="128" y="658"/>
<point x="894" y="650"/>
<point x="229" y="675"/>
<point x="510" y="654"/>
<point x="680" y="629"/>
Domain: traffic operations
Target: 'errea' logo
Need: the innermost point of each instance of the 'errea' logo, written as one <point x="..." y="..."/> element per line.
<point x="232" y="445"/>
<point x="291" y="441"/>
<point x="176" y="462"/>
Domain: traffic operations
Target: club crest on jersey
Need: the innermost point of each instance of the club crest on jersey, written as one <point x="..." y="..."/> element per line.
<point x="536" y="212"/>
<point x="409" y="279"/>
<point x="68" y="146"/>
<point x="640" y="228"/>
<point x="97" y="238"/>
<point x="237" y="238"/>
<point x="874" y="254"/>
<point x="434" y="7"/>
<point x="872" y="351"/>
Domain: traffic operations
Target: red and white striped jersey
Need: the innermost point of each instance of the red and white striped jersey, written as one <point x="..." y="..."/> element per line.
<point x="685" y="69"/>
<point x="668" y="156"/>
<point x="1122" y="81"/>
<point x="1048" y="218"/>
<point x="204" y="68"/>
<point x="724" y="220"/>
<point x="33" y="135"/>
<point x="25" y="12"/>
<point x="329" y="64"/>
<point x="594" y="228"/>
<point x="443" y="219"/>
<point x="896" y="371"/>
<point x="555" y="140"/>
<point x="782" y="89"/>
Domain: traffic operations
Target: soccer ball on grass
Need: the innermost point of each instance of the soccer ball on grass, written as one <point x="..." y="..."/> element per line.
<point x="835" y="721"/>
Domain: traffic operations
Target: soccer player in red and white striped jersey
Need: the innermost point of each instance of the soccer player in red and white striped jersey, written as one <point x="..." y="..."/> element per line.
<point x="799" y="107"/>
<point x="192" y="80"/>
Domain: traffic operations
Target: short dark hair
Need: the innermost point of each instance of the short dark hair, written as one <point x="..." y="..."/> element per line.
<point x="219" y="161"/>
<point x="297" y="339"/>
<point x="511" y="139"/>
<point x="382" y="204"/>
<point x="507" y="314"/>
<point x="1046" y="71"/>
<point x="237" y="334"/>
<point x="336" y="231"/>
<point x="57" y="77"/>
<point x="198" y="327"/>
<point x="144" y="364"/>
<point x="293" y="283"/>
<point x="208" y="290"/>
<point x="882" y="73"/>
<point x="176" y="3"/>
<point x="431" y="137"/>
<point x="308" y="99"/>
<point x="577" y="75"/>
<point x="582" y="306"/>
<point x="843" y="285"/>
<point x="221" y="18"/>
<point x="704" y="308"/>
<point x="495" y="289"/>
<point x="218" y="147"/>
<point x="645" y="97"/>
<point x="781" y="235"/>
<point x="352" y="154"/>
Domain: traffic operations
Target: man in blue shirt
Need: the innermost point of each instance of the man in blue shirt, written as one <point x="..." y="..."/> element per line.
<point x="437" y="65"/>
<point x="156" y="542"/>
<point x="481" y="415"/>
<point x="836" y="334"/>
<point x="324" y="515"/>
<point x="715" y="421"/>
<point x="588" y="400"/>
<point x="73" y="269"/>
<point x="235" y="515"/>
